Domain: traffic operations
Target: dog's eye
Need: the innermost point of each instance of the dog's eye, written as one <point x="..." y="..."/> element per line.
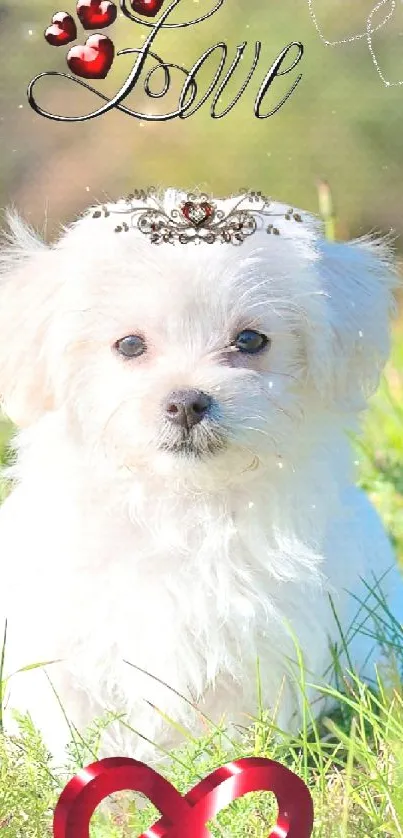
<point x="131" y="346"/>
<point x="250" y="341"/>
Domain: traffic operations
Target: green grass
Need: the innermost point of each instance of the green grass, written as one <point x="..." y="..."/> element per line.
<point x="352" y="762"/>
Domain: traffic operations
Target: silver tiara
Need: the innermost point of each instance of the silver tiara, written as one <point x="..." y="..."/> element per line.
<point x="197" y="218"/>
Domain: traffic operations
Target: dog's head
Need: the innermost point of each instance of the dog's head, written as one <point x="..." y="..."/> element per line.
<point x="190" y="354"/>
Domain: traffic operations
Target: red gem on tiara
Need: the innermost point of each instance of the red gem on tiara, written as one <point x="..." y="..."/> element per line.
<point x="197" y="213"/>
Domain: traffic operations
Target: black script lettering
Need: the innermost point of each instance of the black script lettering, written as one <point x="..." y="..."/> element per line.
<point x="186" y="106"/>
<point x="240" y="52"/>
<point x="271" y="75"/>
<point x="190" y="80"/>
<point x="119" y="107"/>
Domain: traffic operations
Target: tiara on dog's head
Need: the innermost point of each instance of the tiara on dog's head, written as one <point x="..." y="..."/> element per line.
<point x="197" y="218"/>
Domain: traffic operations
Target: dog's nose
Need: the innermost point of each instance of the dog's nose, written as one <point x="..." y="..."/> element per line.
<point x="187" y="408"/>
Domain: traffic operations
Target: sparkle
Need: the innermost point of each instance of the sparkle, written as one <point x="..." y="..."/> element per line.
<point x="368" y="35"/>
<point x="251" y="504"/>
<point x="361" y="333"/>
<point x="271" y="385"/>
<point x="280" y="465"/>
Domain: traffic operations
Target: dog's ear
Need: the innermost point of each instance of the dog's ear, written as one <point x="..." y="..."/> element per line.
<point x="349" y="320"/>
<point x="28" y="287"/>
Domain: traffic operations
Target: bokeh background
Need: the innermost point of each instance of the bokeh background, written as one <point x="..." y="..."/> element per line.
<point x="341" y="124"/>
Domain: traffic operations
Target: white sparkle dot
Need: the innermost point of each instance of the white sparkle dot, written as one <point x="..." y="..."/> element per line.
<point x="314" y="506"/>
<point x="87" y="188"/>
<point x="30" y="31"/>
<point x="20" y="106"/>
<point x="280" y="465"/>
<point x="251" y="504"/>
<point x="361" y="333"/>
<point x="356" y="462"/>
<point x="271" y="385"/>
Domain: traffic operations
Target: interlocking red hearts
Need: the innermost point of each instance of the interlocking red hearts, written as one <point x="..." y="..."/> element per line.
<point x="62" y="30"/>
<point x="148" y="8"/>
<point x="96" y="14"/>
<point x="94" y="59"/>
<point x="184" y="817"/>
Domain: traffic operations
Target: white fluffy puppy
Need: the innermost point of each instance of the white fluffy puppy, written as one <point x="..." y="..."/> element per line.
<point x="184" y="496"/>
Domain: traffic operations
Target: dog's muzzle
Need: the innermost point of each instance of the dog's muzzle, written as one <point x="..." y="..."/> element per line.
<point x="186" y="408"/>
<point x="190" y="425"/>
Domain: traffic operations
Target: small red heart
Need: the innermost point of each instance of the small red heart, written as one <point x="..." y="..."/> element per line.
<point x="197" y="213"/>
<point x="148" y="8"/>
<point x="62" y="31"/>
<point x="184" y="817"/>
<point x="94" y="60"/>
<point x="95" y="14"/>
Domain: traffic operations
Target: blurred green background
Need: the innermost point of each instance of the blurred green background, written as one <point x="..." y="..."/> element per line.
<point x="341" y="124"/>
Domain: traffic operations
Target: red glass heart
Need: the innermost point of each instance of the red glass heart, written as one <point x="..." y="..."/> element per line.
<point x="62" y="31"/>
<point x="148" y="8"/>
<point x="184" y="817"/>
<point x="197" y="213"/>
<point x="94" y="59"/>
<point x="95" y="14"/>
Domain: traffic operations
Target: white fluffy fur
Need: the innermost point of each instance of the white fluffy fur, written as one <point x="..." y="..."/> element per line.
<point x="114" y="551"/>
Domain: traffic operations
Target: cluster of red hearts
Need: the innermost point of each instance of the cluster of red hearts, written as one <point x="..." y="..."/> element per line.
<point x="94" y="59"/>
<point x="184" y="817"/>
